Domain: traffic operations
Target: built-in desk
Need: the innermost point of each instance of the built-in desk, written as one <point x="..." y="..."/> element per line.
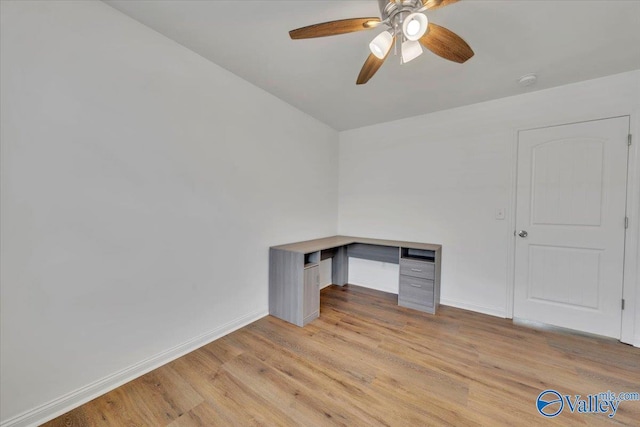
<point x="294" y="277"/>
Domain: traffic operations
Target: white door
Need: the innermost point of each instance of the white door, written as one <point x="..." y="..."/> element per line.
<point x="571" y="203"/>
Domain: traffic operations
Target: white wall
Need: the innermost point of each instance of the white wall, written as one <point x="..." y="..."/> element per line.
<point x="440" y="177"/>
<point x="141" y="188"/>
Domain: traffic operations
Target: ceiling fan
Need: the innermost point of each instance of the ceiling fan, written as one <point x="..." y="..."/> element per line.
<point x="409" y="28"/>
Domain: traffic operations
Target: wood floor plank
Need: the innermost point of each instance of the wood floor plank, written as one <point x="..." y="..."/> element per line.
<point x="203" y="415"/>
<point x="367" y="362"/>
<point x="242" y="403"/>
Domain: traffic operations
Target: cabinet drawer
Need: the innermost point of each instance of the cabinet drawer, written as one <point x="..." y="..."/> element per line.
<point x="419" y="291"/>
<point x="425" y="270"/>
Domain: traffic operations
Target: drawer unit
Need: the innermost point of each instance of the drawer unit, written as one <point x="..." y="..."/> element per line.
<point x="419" y="281"/>
<point x="424" y="270"/>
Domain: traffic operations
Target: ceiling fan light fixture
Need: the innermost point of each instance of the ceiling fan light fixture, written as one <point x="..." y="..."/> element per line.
<point x="415" y="26"/>
<point x="380" y="45"/>
<point x="408" y="31"/>
<point x="410" y="51"/>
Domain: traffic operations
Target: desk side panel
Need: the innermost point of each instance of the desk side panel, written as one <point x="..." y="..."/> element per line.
<point x="285" y="285"/>
<point x="436" y="285"/>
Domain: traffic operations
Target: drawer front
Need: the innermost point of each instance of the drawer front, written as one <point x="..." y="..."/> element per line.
<point x="419" y="291"/>
<point x="425" y="270"/>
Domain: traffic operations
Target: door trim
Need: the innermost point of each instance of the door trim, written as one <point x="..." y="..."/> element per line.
<point x="631" y="284"/>
<point x="631" y="281"/>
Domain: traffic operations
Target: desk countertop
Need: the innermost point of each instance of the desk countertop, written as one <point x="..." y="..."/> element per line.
<point x="337" y="241"/>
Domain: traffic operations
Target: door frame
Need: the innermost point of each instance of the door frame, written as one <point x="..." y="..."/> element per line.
<point x="631" y="278"/>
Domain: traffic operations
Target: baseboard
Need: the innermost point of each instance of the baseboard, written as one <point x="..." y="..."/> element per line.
<point x="636" y="342"/>
<point x="387" y="289"/>
<point x="84" y="394"/>
<point x="492" y="311"/>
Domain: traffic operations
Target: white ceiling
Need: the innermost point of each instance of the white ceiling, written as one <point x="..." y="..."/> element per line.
<point x="561" y="41"/>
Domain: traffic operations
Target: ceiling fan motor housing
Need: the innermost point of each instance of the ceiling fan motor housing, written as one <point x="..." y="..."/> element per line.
<point x="394" y="12"/>
<point x="391" y="8"/>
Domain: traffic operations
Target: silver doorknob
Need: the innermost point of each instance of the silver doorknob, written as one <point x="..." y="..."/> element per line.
<point x="523" y="233"/>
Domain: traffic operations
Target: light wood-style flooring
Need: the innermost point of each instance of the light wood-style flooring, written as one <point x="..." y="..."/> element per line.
<point x="368" y="362"/>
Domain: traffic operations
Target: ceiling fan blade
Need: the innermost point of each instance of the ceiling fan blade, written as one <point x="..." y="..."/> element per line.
<point x="436" y="4"/>
<point x="446" y="43"/>
<point x="371" y="66"/>
<point x="333" y="28"/>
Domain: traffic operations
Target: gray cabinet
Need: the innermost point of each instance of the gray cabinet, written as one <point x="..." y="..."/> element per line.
<point x="294" y="285"/>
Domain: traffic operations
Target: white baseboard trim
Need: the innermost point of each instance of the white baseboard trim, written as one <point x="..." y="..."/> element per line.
<point x="65" y="403"/>
<point x="636" y="342"/>
<point x="387" y="289"/>
<point x="492" y="311"/>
